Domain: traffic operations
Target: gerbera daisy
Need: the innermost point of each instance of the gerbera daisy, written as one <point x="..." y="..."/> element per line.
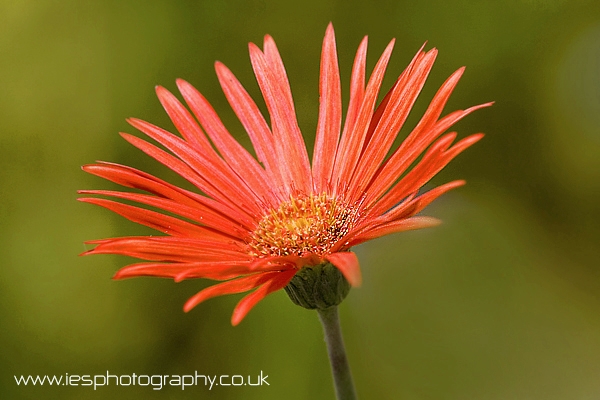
<point x="254" y="223"/>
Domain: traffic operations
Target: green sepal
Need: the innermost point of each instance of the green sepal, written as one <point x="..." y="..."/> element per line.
<point x="318" y="287"/>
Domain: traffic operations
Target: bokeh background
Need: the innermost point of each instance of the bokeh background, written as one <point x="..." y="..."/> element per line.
<point x="500" y="302"/>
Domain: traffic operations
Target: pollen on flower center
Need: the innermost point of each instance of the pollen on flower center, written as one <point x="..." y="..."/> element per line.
<point x="302" y="226"/>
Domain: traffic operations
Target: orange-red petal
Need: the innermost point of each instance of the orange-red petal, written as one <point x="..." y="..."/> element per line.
<point x="247" y="303"/>
<point x="347" y="263"/>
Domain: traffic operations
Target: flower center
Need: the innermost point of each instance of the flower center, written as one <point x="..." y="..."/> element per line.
<point x="302" y="226"/>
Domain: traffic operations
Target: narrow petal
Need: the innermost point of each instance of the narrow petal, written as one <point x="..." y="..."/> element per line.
<point x="175" y="249"/>
<point x="162" y="223"/>
<point x="202" y="215"/>
<point x="219" y="182"/>
<point x="238" y="158"/>
<point x="415" y="178"/>
<point x="133" y="178"/>
<point x="405" y="208"/>
<point x="347" y="263"/>
<point x="230" y="287"/>
<point x="435" y="108"/>
<point x="188" y="127"/>
<point x="394" y="227"/>
<point x="247" y="303"/>
<point x="289" y="143"/>
<point x="280" y="148"/>
<point x="357" y="86"/>
<point x="330" y="113"/>
<point x="223" y="273"/>
<point x="206" y="243"/>
<point x="213" y="270"/>
<point x="254" y="123"/>
<point x="352" y="141"/>
<point x="413" y="205"/>
<point x="397" y="108"/>
<point x="409" y="207"/>
<point x="409" y="151"/>
<point x="429" y="170"/>
<point x="427" y="198"/>
<point x="184" y="122"/>
<point x="208" y="165"/>
<point x="275" y="64"/>
<point x="383" y="105"/>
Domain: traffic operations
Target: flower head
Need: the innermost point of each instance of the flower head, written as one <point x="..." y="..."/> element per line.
<point x="255" y="222"/>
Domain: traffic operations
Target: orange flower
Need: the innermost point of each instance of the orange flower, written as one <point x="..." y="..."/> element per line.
<point x="254" y="223"/>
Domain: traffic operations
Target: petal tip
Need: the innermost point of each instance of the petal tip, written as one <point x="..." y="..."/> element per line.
<point x="219" y="66"/>
<point x="329" y="30"/>
<point x="188" y="305"/>
<point x="347" y="263"/>
<point x="118" y="275"/>
<point x="236" y="319"/>
<point x="181" y="82"/>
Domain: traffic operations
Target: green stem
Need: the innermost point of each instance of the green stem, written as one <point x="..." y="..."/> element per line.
<point x="340" y="369"/>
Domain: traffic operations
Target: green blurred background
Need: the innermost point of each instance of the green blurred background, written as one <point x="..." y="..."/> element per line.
<point x="500" y="302"/>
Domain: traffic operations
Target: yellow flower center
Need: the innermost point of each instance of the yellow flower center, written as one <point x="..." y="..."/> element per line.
<point x="302" y="226"/>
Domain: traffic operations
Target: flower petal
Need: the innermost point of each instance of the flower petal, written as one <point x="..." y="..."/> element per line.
<point x="201" y="215"/>
<point x="436" y="158"/>
<point x="168" y="248"/>
<point x="430" y="169"/>
<point x="215" y="270"/>
<point x="357" y="85"/>
<point x="238" y="158"/>
<point x="253" y="121"/>
<point x="248" y="302"/>
<point x="347" y="263"/>
<point x="163" y="223"/>
<point x="351" y="143"/>
<point x="393" y="227"/>
<point x="230" y="287"/>
<point x="184" y="122"/>
<point x="427" y="198"/>
<point x="275" y="63"/>
<point x="289" y="144"/>
<point x="330" y="113"/>
<point x="133" y="178"/>
<point x="393" y="115"/>
<point x="219" y="183"/>
<point x="409" y="151"/>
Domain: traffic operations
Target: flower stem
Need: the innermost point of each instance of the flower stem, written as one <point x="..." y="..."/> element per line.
<point x="340" y="369"/>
